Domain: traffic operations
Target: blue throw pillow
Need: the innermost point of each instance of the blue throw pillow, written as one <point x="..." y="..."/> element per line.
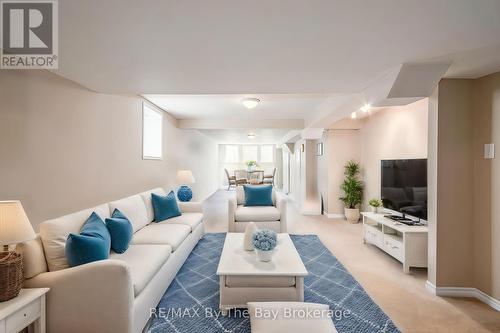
<point x="121" y="231"/>
<point x="258" y="195"/>
<point x="165" y="207"/>
<point x="92" y="244"/>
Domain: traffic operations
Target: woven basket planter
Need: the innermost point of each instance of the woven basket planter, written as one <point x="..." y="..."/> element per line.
<point x="11" y="275"/>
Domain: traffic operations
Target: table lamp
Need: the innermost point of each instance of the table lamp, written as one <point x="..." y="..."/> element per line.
<point x="14" y="228"/>
<point x="185" y="177"/>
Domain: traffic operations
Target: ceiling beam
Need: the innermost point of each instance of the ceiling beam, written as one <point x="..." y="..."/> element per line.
<point x="240" y="123"/>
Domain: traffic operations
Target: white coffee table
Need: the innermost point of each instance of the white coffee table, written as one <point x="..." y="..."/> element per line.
<point x="243" y="278"/>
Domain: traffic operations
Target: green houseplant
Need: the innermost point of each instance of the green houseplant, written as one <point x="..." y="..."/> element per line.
<point x="352" y="188"/>
<point x="251" y="165"/>
<point x="375" y="204"/>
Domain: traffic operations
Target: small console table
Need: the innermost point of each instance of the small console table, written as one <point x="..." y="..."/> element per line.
<point x="408" y="244"/>
<point x="22" y="311"/>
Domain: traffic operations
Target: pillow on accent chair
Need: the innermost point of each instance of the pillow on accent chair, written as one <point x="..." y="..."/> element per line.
<point x="91" y="244"/>
<point x="258" y="195"/>
<point x="165" y="207"/>
<point x="121" y="231"/>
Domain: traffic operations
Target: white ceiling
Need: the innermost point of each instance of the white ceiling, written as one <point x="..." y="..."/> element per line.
<point x="272" y="106"/>
<point x="268" y="47"/>
<point x="241" y="135"/>
<point x="303" y="59"/>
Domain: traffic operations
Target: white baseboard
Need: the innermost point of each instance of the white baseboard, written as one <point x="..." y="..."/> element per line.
<point x="334" y="216"/>
<point x="464" y="292"/>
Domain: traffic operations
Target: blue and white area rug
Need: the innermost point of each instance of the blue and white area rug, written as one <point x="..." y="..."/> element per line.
<point x="191" y="303"/>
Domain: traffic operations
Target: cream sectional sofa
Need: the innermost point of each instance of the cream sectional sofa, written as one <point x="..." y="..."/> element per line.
<point x="113" y="295"/>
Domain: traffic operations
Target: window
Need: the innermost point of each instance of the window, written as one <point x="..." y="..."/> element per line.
<point x="250" y="153"/>
<point x="232" y="154"/>
<point x="152" y="126"/>
<point x="267" y="154"/>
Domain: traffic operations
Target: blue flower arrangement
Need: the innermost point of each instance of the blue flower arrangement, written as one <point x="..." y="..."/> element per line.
<point x="264" y="240"/>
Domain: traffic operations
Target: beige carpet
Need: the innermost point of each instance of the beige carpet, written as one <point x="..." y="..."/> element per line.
<point x="403" y="297"/>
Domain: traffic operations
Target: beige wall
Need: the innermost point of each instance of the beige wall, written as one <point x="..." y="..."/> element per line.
<point x="468" y="185"/>
<point x="432" y="153"/>
<point x="483" y="90"/>
<point x="454" y="184"/>
<point x="342" y="145"/>
<point x="65" y="148"/>
<point x="489" y="101"/>
<point x="393" y="133"/>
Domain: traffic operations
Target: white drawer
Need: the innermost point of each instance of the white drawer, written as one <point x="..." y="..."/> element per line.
<point x="393" y="247"/>
<point x="27" y="314"/>
<point x="373" y="235"/>
<point x="2" y="326"/>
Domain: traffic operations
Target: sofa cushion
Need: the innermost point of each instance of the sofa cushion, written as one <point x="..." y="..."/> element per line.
<point x="190" y="219"/>
<point x="240" y="195"/>
<point x="165" y="206"/>
<point x="33" y="258"/>
<point x="258" y="195"/>
<point x="54" y="234"/>
<point x="144" y="261"/>
<point x="93" y="243"/>
<point x="134" y="209"/>
<point x="256" y="214"/>
<point x="146" y="197"/>
<point x="121" y="231"/>
<point x="162" y="233"/>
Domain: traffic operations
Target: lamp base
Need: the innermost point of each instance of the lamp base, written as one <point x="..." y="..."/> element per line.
<point x="184" y="193"/>
<point x="11" y="275"/>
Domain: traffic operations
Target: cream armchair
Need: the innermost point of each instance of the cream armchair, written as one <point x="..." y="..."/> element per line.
<point x="265" y="217"/>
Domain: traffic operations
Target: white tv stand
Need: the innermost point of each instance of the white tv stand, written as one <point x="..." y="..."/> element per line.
<point x="408" y="244"/>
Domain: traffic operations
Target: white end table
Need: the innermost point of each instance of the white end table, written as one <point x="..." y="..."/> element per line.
<point x="27" y="308"/>
<point x="243" y="278"/>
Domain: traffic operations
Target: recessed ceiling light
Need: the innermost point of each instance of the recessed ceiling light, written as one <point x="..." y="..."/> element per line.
<point x="251" y="135"/>
<point x="251" y="102"/>
<point x="353" y="115"/>
<point x="365" y="108"/>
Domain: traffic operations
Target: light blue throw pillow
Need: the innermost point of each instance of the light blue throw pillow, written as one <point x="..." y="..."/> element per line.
<point x="165" y="207"/>
<point x="121" y="231"/>
<point x="91" y="244"/>
<point x="258" y="195"/>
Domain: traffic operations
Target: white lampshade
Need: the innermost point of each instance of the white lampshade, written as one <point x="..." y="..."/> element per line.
<point x="14" y="224"/>
<point x="185" y="177"/>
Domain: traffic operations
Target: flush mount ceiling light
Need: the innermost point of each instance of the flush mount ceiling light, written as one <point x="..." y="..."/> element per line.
<point x="251" y="102"/>
<point x="251" y="135"/>
<point x="365" y="108"/>
<point x="353" y="115"/>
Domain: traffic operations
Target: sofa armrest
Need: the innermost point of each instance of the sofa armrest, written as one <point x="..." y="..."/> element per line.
<point x="191" y="207"/>
<point x="231" y="210"/>
<point x="281" y="205"/>
<point x="95" y="297"/>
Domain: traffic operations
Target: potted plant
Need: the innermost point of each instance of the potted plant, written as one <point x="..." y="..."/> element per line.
<point x="353" y="191"/>
<point x="375" y="205"/>
<point x="251" y="165"/>
<point x="264" y="242"/>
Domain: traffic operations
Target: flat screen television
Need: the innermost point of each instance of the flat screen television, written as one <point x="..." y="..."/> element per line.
<point x="404" y="186"/>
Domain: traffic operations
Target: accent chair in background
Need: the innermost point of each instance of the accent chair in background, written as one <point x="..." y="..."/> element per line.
<point x="233" y="181"/>
<point x="269" y="178"/>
